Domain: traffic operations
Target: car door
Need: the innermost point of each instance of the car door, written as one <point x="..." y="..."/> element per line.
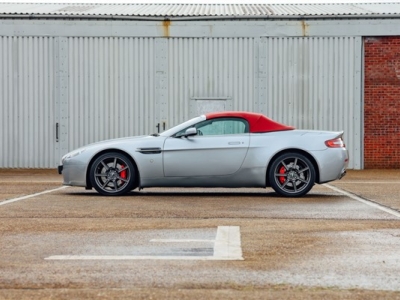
<point x="218" y="149"/>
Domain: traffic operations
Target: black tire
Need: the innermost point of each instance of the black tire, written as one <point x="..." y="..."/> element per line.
<point x="113" y="174"/>
<point x="292" y="175"/>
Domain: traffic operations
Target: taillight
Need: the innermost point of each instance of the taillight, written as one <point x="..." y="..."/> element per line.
<point x="335" y="143"/>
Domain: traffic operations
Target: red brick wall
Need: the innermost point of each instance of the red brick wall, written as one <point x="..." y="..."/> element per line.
<point x="382" y="103"/>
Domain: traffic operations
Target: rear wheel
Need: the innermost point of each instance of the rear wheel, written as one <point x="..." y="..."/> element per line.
<point x="113" y="174"/>
<point x="292" y="175"/>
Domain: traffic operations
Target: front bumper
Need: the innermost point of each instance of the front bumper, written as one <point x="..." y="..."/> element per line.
<point x="73" y="174"/>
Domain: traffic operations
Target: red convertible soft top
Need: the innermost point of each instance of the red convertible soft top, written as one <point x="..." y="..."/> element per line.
<point x="257" y="122"/>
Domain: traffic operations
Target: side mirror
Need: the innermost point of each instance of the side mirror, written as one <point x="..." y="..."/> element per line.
<point x="190" y="131"/>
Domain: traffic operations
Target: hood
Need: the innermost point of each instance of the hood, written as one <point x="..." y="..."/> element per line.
<point x="118" y="140"/>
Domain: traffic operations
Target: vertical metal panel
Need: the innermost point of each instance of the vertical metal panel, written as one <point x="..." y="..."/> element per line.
<point x="61" y="95"/>
<point x="111" y="88"/>
<point x="315" y="83"/>
<point x="209" y="68"/>
<point x="26" y="98"/>
<point x="161" y="96"/>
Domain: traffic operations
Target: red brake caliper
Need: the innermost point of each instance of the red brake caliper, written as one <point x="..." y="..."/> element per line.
<point x="123" y="173"/>
<point x="282" y="170"/>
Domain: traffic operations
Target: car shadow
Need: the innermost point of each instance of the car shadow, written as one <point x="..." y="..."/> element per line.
<point x="201" y="194"/>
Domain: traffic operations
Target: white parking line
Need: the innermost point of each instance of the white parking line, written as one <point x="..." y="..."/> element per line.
<point x="135" y="257"/>
<point x="370" y="203"/>
<point x="181" y="241"/>
<point x="30" y="181"/>
<point x="227" y="246"/>
<point x="227" y="243"/>
<point x="31" y="196"/>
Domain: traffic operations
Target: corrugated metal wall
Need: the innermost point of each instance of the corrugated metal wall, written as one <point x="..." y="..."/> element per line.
<point x="310" y="83"/>
<point x="27" y="75"/>
<point x="206" y="69"/>
<point x="126" y="86"/>
<point x="97" y="88"/>
<point x="111" y="88"/>
<point x="314" y="83"/>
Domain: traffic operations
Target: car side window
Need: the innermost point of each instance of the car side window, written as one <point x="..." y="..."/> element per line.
<point x="221" y="126"/>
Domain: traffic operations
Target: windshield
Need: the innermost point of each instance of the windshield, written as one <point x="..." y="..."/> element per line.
<point x="182" y="126"/>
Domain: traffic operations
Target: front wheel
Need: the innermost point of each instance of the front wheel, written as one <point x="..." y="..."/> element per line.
<point x="292" y="175"/>
<point x="112" y="174"/>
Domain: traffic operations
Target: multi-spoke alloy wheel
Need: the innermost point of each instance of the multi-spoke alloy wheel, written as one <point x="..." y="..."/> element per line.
<point x="112" y="174"/>
<point x="292" y="175"/>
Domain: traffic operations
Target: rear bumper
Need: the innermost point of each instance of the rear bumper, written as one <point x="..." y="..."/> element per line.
<point x="343" y="173"/>
<point x="332" y="164"/>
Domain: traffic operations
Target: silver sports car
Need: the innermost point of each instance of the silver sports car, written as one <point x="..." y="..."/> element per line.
<point x="223" y="149"/>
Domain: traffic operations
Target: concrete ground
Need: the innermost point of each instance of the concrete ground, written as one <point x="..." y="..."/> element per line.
<point x="341" y="241"/>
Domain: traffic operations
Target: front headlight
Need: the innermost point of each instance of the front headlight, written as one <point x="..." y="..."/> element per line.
<point x="72" y="154"/>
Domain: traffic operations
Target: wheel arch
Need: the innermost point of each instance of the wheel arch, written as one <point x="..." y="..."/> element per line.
<point x="89" y="184"/>
<point x="293" y="150"/>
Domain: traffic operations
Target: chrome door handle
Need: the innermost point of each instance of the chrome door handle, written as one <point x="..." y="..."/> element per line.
<point x="234" y="143"/>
